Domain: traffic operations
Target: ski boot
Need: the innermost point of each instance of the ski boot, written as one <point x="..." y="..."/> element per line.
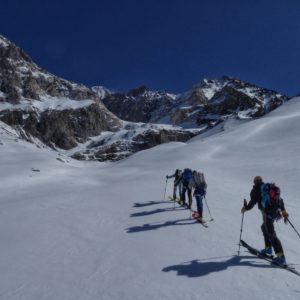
<point x="267" y="251"/>
<point x="279" y="259"/>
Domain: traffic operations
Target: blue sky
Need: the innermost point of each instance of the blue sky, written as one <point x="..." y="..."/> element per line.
<point x="166" y="45"/>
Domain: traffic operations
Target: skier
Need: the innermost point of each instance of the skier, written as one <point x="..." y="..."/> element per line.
<point x="185" y="179"/>
<point x="199" y="185"/>
<point x="177" y="182"/>
<point x="270" y="213"/>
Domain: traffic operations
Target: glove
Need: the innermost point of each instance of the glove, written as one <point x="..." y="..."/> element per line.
<point x="243" y="210"/>
<point x="285" y="215"/>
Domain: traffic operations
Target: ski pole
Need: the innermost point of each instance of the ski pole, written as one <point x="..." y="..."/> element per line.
<point x="293" y="227"/>
<point x="245" y="203"/>
<point x="174" y="193"/>
<point x="165" y="189"/>
<point x="211" y="218"/>
<point x="174" y="203"/>
<point x="190" y="205"/>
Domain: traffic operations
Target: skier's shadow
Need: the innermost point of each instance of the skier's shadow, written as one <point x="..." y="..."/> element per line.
<point x="155" y="211"/>
<point x="197" y="268"/>
<point x="147" y="227"/>
<point x="137" y="204"/>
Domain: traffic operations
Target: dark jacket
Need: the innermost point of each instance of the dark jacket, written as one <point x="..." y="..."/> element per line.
<point x="176" y="176"/>
<point x="255" y="197"/>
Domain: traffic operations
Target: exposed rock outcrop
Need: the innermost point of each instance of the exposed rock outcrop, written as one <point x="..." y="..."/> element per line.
<point x="134" y="138"/>
<point x="209" y="100"/>
<point x="140" y="104"/>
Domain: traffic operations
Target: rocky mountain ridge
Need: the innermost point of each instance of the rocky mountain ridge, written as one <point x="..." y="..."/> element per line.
<point x="65" y="115"/>
<point x="206" y="104"/>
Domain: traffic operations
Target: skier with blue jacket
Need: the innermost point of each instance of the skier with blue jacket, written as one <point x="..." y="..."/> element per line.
<point x="270" y="211"/>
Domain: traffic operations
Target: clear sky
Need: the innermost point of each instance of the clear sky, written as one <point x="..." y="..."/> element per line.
<point x="164" y="44"/>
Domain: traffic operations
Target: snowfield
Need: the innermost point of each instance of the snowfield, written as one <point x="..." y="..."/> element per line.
<point x="85" y="230"/>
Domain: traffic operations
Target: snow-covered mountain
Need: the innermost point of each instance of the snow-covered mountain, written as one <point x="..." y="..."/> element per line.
<point x="52" y="111"/>
<point x="206" y="104"/>
<point x="41" y="105"/>
<point x="88" y="230"/>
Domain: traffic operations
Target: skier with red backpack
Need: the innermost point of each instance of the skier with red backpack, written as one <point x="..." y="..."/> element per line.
<point x="267" y="197"/>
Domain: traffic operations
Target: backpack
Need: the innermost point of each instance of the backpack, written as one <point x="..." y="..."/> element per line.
<point x="270" y="196"/>
<point x="199" y="180"/>
<point x="186" y="176"/>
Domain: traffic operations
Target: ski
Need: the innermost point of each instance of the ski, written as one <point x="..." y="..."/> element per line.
<point x="195" y="216"/>
<point x="177" y="200"/>
<point x="268" y="258"/>
<point x="203" y="223"/>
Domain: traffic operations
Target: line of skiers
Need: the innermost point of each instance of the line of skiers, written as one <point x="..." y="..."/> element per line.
<point x="265" y="195"/>
<point x="185" y="181"/>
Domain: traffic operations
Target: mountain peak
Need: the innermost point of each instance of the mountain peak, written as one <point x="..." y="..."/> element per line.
<point x="138" y="91"/>
<point x="3" y="41"/>
<point x="9" y="50"/>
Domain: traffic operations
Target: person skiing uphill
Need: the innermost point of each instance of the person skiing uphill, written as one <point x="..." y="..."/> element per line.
<point x="262" y="194"/>
<point x="177" y="182"/>
<point x="185" y="179"/>
<point x="199" y="185"/>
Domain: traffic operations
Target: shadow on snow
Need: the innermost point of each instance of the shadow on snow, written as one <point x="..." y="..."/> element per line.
<point x="198" y="268"/>
<point x="155" y="211"/>
<point x="147" y="227"/>
<point x="137" y="204"/>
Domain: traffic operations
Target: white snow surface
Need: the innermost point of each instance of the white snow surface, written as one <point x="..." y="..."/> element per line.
<point x="46" y="103"/>
<point x="88" y="230"/>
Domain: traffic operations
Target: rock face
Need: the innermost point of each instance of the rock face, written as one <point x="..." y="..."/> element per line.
<point x="218" y="99"/>
<point x="132" y="138"/>
<point x="58" y="112"/>
<point x="61" y="128"/>
<point x="206" y="104"/>
<point x="21" y="78"/>
<point x="140" y="105"/>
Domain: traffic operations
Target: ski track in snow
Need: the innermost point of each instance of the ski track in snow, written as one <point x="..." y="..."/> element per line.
<point x="88" y="230"/>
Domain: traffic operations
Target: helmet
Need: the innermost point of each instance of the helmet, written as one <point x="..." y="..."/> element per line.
<point x="257" y="179"/>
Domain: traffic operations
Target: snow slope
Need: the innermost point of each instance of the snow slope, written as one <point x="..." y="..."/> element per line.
<point x="87" y="230"/>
